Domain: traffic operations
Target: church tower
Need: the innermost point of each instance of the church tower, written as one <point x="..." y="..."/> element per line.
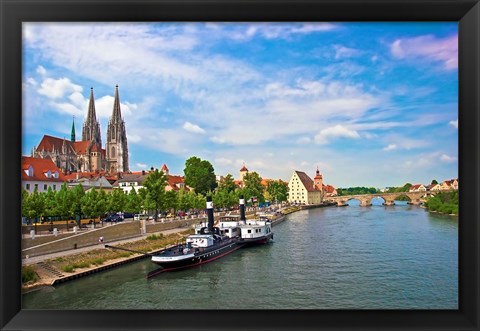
<point x="318" y="180"/>
<point x="117" y="148"/>
<point x="91" y="127"/>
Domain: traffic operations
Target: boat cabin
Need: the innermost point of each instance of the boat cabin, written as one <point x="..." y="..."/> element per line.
<point x="199" y="240"/>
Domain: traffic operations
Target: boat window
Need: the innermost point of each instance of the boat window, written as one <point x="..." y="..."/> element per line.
<point x="249" y="231"/>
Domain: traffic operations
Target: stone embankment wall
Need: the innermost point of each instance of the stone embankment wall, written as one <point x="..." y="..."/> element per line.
<point x="82" y="239"/>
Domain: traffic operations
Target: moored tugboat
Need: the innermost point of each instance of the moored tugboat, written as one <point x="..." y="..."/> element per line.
<point x="252" y="231"/>
<point x="206" y="245"/>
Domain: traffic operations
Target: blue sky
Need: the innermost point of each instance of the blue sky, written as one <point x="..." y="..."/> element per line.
<point x="370" y="104"/>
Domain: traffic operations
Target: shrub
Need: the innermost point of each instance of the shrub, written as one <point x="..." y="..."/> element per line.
<point x="29" y="275"/>
<point x="68" y="268"/>
<point x="98" y="261"/>
<point x="155" y="236"/>
<point x="83" y="264"/>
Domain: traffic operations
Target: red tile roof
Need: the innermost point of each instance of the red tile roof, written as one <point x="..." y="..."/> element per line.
<point x="306" y="181"/>
<point x="329" y="188"/>
<point x="48" y="143"/>
<point x="40" y="167"/>
<point x="244" y="168"/>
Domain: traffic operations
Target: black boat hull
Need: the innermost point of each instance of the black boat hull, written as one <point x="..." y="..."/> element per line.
<point x="202" y="257"/>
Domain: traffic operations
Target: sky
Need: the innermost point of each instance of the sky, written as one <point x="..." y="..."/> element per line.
<point x="368" y="104"/>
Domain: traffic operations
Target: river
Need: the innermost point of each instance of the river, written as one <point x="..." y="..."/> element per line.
<point x="378" y="257"/>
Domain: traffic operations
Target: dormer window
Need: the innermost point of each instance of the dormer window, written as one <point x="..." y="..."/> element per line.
<point x="48" y="174"/>
<point x="55" y="174"/>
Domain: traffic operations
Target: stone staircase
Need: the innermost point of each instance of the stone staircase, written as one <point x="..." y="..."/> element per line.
<point x="49" y="270"/>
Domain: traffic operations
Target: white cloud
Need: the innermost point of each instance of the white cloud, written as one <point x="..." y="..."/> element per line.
<point x="428" y="47"/>
<point x="454" y="124"/>
<point x="141" y="165"/>
<point x="193" y="128"/>
<point x="223" y="161"/>
<point x="279" y="30"/>
<point x="447" y="159"/>
<point x="57" y="88"/>
<point x="338" y="131"/>
<point x="133" y="138"/>
<point x="41" y="71"/>
<point x="342" y="52"/>
<point x="390" y="147"/>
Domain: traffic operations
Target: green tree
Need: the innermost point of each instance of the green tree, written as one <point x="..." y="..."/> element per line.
<point x="64" y="201"/>
<point x="185" y="200"/>
<point x="155" y="184"/>
<point x="171" y="200"/>
<point x="278" y="190"/>
<point x="76" y="202"/>
<point x="35" y="206"/>
<point x="25" y="203"/>
<point x="134" y="202"/>
<point x="51" y="207"/>
<point x="227" y="184"/>
<point x="117" y="201"/>
<point x="200" y="175"/>
<point x="434" y="182"/>
<point x="253" y="186"/>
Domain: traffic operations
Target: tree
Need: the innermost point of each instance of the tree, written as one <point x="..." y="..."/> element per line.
<point x="434" y="182"/>
<point x="278" y="190"/>
<point x="51" y="207"/>
<point x="25" y="203"/>
<point x="253" y="186"/>
<point x="117" y="201"/>
<point x="171" y="200"/>
<point x="134" y="202"/>
<point x="200" y="175"/>
<point x="35" y="206"/>
<point x="155" y="184"/>
<point x="227" y="183"/>
<point x="76" y="202"/>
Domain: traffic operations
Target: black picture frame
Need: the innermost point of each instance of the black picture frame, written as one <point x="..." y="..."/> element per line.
<point x="14" y="12"/>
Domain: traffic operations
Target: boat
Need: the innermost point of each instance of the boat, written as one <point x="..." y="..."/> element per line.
<point x="251" y="231"/>
<point x="206" y="245"/>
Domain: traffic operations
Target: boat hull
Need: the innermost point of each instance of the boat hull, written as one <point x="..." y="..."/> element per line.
<point x="181" y="261"/>
<point x="257" y="241"/>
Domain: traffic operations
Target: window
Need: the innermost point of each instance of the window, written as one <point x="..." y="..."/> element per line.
<point x="44" y="187"/>
<point x="112" y="151"/>
<point x="27" y="187"/>
<point x="249" y="231"/>
<point x="54" y="187"/>
<point x="36" y="186"/>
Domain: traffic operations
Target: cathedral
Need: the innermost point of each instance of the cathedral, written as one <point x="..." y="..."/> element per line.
<point x="88" y="155"/>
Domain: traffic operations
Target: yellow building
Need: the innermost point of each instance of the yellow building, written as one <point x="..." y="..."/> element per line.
<point x="302" y="189"/>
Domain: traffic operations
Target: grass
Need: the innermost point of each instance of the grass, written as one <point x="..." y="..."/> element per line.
<point x="99" y="256"/>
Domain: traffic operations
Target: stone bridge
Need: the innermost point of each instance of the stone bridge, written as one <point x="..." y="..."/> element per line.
<point x="416" y="198"/>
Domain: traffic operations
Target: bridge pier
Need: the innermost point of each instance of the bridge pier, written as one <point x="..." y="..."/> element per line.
<point x="341" y="203"/>
<point x="364" y="203"/>
<point x="389" y="203"/>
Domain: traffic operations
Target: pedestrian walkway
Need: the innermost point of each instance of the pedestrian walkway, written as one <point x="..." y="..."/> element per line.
<point x="41" y="258"/>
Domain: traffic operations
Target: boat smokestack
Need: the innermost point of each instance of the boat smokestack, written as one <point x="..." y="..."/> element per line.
<point x="242" y="209"/>
<point x="210" y="213"/>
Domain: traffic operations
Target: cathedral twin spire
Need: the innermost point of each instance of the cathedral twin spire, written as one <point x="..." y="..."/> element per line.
<point x="116" y="146"/>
